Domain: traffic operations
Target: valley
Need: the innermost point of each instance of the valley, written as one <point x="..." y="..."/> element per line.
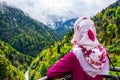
<point x="28" y="47"/>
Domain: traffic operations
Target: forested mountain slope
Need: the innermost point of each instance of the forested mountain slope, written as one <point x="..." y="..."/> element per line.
<point x="107" y="23"/>
<point x="12" y="63"/>
<point x="108" y="27"/>
<point x="23" y="33"/>
<point x="21" y="39"/>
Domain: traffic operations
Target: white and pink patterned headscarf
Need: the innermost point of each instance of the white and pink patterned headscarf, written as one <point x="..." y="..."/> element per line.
<point x="85" y="33"/>
<point x="90" y="53"/>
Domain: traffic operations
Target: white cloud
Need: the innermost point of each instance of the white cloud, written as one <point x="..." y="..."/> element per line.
<point x="47" y="11"/>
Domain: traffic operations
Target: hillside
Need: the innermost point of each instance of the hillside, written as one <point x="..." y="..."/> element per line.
<point x="108" y="27"/>
<point x="23" y="33"/>
<point x="12" y="63"/>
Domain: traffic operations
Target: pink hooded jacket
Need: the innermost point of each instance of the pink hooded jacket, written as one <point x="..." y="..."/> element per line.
<point x="69" y="65"/>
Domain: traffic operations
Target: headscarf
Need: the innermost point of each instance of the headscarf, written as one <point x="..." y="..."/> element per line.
<point x="85" y="33"/>
<point x="90" y="53"/>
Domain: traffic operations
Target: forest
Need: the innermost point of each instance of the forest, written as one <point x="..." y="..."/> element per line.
<point x="21" y="40"/>
<point x="24" y="33"/>
<point x="25" y="42"/>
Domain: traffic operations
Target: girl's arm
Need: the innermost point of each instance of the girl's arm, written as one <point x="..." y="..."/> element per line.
<point x="62" y="67"/>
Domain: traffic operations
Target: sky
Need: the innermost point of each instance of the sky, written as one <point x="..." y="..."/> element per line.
<point x="48" y="11"/>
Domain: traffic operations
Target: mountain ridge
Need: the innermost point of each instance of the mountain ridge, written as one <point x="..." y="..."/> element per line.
<point x="63" y="27"/>
<point x="23" y="33"/>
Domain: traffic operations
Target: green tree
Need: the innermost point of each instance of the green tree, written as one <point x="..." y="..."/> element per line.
<point x="118" y="15"/>
<point x="43" y="68"/>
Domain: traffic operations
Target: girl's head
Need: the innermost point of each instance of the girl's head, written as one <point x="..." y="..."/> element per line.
<point x="84" y="33"/>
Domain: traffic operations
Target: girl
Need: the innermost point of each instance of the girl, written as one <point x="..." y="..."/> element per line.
<point x="87" y="60"/>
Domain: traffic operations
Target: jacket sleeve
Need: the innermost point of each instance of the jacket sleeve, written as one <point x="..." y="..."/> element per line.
<point x="62" y="67"/>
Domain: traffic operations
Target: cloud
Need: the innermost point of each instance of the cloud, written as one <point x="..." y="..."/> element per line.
<point x="47" y="11"/>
